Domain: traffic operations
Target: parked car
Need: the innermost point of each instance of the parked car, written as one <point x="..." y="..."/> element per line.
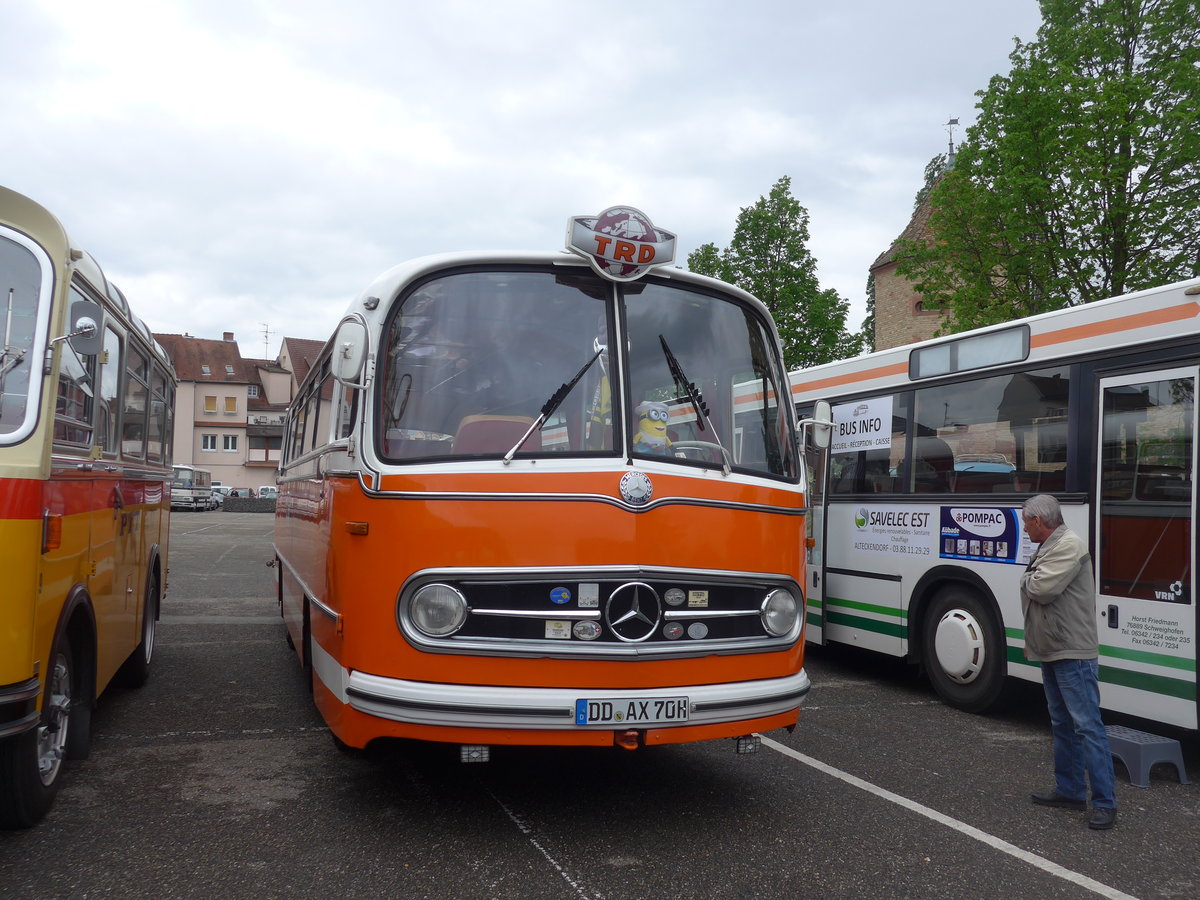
<point x="218" y="498"/>
<point x="268" y="491"/>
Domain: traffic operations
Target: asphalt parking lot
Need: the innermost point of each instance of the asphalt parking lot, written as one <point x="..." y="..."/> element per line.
<point x="218" y="779"/>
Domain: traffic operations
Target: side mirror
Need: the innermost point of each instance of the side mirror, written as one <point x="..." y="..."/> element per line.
<point x="820" y="426"/>
<point x="86" y="334"/>
<point x="349" y="353"/>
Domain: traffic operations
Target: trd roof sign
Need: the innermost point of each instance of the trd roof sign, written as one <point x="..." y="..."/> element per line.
<point x="621" y="243"/>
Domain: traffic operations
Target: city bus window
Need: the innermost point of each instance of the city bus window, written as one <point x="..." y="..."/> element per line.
<point x="993" y="435"/>
<point x="867" y="452"/>
<point x="472" y="358"/>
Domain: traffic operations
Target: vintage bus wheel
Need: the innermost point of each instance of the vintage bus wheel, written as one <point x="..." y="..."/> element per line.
<point x="31" y="763"/>
<point x="963" y="649"/>
<point x="136" y="670"/>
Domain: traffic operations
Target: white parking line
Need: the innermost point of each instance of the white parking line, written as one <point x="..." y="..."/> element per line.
<point x="1033" y="859"/>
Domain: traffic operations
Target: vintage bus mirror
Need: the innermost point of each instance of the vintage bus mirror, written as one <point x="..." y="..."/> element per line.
<point x="87" y="328"/>
<point x="819" y="427"/>
<point x="349" y="353"/>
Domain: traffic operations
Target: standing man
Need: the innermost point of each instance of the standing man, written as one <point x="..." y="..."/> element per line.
<point x="1058" y="599"/>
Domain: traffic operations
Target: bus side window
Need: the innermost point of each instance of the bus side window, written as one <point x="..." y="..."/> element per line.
<point x="108" y="416"/>
<point x="137" y="393"/>
<point x="73" y="408"/>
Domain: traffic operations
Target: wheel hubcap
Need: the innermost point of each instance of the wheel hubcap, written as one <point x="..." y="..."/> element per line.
<point x="959" y="646"/>
<point x="52" y="733"/>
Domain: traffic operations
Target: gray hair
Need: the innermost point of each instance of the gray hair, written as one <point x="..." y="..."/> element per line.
<point x="1045" y="508"/>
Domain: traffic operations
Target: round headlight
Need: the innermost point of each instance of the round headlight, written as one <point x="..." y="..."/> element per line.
<point x="438" y="609"/>
<point x="779" y="612"/>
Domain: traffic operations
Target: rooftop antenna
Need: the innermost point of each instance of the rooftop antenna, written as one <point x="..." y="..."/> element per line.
<point x="266" y="333"/>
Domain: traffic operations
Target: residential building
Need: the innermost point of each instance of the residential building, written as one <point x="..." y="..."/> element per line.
<point x="229" y="410"/>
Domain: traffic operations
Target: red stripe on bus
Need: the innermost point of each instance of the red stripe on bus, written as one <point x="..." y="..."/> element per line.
<point x="1123" y="323"/>
<point x="20" y="498"/>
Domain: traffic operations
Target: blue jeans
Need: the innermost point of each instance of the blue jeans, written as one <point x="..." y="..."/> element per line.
<point x="1080" y="742"/>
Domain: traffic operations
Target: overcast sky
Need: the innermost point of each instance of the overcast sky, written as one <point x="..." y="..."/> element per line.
<point x="232" y="163"/>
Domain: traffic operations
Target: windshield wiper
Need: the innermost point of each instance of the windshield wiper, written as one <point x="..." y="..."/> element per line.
<point x="693" y="394"/>
<point x="554" y="403"/>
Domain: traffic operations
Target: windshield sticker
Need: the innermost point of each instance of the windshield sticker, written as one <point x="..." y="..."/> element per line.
<point x="621" y="243"/>
<point x="865" y="425"/>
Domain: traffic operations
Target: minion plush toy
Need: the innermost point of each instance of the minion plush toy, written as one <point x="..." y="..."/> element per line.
<point x="651" y="435"/>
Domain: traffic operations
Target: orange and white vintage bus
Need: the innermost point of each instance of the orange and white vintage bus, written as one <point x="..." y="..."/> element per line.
<point x="547" y="499"/>
<point x="86" y="398"/>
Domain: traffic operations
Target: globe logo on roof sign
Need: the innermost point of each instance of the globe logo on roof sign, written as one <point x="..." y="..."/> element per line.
<point x="621" y="243"/>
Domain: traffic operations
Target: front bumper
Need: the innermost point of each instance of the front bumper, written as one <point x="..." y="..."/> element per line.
<point x="553" y="709"/>
<point x="18" y="707"/>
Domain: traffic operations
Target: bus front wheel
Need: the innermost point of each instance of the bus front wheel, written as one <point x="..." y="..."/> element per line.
<point x="31" y="763"/>
<point x="963" y="649"/>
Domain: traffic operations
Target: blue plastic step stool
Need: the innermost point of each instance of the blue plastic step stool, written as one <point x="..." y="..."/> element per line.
<point x="1140" y="751"/>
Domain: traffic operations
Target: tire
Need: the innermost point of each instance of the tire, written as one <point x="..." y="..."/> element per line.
<point x="135" y="671"/>
<point x="31" y="764"/>
<point x="964" y="650"/>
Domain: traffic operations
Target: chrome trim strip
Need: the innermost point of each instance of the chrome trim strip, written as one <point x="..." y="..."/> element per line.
<point x="538" y="614"/>
<point x="708" y="613"/>
<point x="431" y="496"/>
<point x="326" y="610"/>
<point x="552" y="709"/>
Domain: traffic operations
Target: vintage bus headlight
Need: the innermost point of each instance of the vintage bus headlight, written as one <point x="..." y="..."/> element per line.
<point x="438" y="609"/>
<point x="779" y="612"/>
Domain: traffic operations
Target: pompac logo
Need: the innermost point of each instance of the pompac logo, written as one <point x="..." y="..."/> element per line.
<point x="982" y="522"/>
<point x="621" y="243"/>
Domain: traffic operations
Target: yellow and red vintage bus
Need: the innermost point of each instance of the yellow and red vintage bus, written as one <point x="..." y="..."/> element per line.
<point x="86" y="398"/>
<point x="547" y="499"/>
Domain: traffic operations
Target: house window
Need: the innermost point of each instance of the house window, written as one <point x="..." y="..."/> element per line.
<point x="210" y="404"/>
<point x="228" y="369"/>
<point x="231" y="406"/>
<point x="205" y="370"/>
<point x="208" y="442"/>
<point x="252" y="390"/>
<point x="231" y="443"/>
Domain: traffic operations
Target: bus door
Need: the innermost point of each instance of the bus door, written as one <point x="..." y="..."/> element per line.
<point x="1146" y="544"/>
<point x="814" y="590"/>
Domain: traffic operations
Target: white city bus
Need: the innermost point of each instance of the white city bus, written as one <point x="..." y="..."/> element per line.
<point x="936" y="445"/>
<point x="191" y="488"/>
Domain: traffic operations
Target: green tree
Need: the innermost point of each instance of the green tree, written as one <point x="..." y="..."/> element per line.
<point x="769" y="257"/>
<point x="1080" y="178"/>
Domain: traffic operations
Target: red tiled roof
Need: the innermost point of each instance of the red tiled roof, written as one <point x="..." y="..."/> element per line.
<point x="191" y="353"/>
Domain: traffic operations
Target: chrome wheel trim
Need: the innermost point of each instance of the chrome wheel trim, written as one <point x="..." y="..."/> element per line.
<point x="56" y="721"/>
<point x="959" y="646"/>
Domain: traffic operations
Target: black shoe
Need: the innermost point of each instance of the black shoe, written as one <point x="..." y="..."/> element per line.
<point x="1054" y="798"/>
<point x="1102" y="819"/>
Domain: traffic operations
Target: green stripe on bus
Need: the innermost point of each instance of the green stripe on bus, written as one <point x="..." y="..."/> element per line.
<point x="1166" y="660"/>
<point x="888" y="628"/>
<point x="868" y="607"/>
<point x="1155" y="684"/>
<point x="814" y="619"/>
<point x="1145" y="656"/>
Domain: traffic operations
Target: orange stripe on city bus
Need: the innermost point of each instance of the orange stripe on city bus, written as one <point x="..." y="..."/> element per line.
<point x="852" y="377"/>
<point x="1177" y="313"/>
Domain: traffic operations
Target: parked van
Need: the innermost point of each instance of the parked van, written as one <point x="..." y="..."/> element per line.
<point x="268" y="492"/>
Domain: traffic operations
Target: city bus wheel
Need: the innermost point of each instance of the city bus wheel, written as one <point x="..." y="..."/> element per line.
<point x="136" y="670"/>
<point x="963" y="649"/>
<point x="31" y="763"/>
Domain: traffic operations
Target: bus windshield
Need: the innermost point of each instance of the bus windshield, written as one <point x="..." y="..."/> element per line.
<point x="18" y="323"/>
<point x="473" y="360"/>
